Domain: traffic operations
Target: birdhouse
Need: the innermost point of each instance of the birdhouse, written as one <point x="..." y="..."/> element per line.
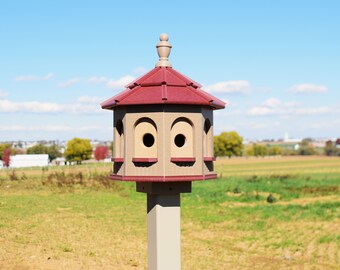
<point x="163" y="126"/>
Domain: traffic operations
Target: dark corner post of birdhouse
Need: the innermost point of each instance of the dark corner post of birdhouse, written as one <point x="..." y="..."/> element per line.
<point x="163" y="141"/>
<point x="164" y="223"/>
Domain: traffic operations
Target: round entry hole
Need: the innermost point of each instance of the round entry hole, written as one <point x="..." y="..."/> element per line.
<point x="180" y="140"/>
<point x="148" y="140"/>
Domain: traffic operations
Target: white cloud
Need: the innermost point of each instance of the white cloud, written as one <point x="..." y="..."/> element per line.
<point x="313" y="111"/>
<point x="272" y="102"/>
<point x="27" y="78"/>
<point x="261" y="111"/>
<point x="120" y="83"/>
<point x="7" y="106"/>
<point x="29" y="106"/>
<point x="3" y="94"/>
<point x="90" y="128"/>
<point x="270" y="106"/>
<point x="69" y="82"/>
<point x="95" y="79"/>
<point x="117" y="84"/>
<point x="139" y="70"/>
<point x="112" y="83"/>
<point x="264" y="89"/>
<point x="30" y="128"/>
<point x="308" y="88"/>
<point x="52" y="128"/>
<point x="292" y="104"/>
<point x="273" y="106"/>
<point x="90" y="99"/>
<point x="11" y="128"/>
<point x="241" y="87"/>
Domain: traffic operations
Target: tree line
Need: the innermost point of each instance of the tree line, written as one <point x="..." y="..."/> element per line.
<point x="230" y="144"/>
<point x="226" y="144"/>
<point x="77" y="150"/>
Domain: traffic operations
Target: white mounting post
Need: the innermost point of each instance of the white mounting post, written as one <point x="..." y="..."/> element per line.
<point x="164" y="223"/>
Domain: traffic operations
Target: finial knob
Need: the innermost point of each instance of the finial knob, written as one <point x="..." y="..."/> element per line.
<point x="163" y="50"/>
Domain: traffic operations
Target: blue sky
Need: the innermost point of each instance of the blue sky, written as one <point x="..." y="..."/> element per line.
<point x="276" y="63"/>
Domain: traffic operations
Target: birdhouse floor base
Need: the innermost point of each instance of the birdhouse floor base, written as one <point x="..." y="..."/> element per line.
<point x="166" y="188"/>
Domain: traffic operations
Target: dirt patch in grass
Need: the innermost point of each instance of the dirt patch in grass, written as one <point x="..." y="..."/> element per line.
<point x="316" y="190"/>
<point x="308" y="200"/>
<point x="299" y="201"/>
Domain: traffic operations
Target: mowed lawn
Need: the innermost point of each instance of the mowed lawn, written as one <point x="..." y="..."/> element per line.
<point x="73" y="218"/>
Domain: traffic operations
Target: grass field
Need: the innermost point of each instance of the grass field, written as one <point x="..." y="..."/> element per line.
<point x="73" y="218"/>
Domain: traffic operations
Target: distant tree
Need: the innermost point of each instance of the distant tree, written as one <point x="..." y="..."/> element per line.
<point x="330" y="149"/>
<point x="78" y="150"/>
<point x="52" y="151"/>
<point x="6" y="157"/>
<point x="274" y="150"/>
<point x="306" y="148"/>
<point x="101" y="152"/>
<point x="37" y="149"/>
<point x="249" y="151"/>
<point x="228" y="144"/>
<point x="260" y="150"/>
<point x="3" y="146"/>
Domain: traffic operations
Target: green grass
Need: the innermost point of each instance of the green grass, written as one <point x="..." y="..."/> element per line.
<point x="73" y="215"/>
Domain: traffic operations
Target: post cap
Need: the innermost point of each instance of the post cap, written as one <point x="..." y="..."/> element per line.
<point x="163" y="50"/>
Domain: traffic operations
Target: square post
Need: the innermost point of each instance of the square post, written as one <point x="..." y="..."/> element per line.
<point x="164" y="232"/>
<point x="164" y="223"/>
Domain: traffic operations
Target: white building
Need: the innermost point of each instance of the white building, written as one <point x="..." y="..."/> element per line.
<point x="19" y="161"/>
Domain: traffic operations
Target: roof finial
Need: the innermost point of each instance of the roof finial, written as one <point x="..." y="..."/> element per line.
<point x="163" y="50"/>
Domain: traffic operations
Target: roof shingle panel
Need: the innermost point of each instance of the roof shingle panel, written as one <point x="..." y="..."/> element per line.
<point x="163" y="85"/>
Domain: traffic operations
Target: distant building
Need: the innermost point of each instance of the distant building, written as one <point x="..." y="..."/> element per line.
<point x="287" y="139"/>
<point x="20" y="161"/>
<point x="60" y="161"/>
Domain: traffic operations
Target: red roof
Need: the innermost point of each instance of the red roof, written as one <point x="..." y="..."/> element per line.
<point x="163" y="85"/>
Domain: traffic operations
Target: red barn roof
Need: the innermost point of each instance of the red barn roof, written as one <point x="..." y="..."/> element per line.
<point x="163" y="85"/>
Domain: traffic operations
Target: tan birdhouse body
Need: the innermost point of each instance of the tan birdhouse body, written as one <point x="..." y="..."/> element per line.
<point x="163" y="127"/>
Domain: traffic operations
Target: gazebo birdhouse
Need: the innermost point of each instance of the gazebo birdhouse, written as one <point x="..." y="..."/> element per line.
<point x="163" y="140"/>
<point x="163" y="126"/>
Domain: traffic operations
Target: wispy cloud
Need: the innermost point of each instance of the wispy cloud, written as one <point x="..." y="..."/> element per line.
<point x="29" y="106"/>
<point x="231" y="87"/>
<point x="116" y="84"/>
<point x="7" y="106"/>
<point x="27" y="78"/>
<point x="272" y="102"/>
<point x="274" y="106"/>
<point x="306" y="88"/>
<point x="69" y="82"/>
<point x="51" y="128"/>
<point x="313" y="111"/>
<point x="95" y="79"/>
<point x="120" y="83"/>
<point x="139" y="70"/>
<point x="90" y="99"/>
<point x="3" y="94"/>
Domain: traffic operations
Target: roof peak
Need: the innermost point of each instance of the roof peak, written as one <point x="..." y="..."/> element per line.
<point x="163" y="50"/>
